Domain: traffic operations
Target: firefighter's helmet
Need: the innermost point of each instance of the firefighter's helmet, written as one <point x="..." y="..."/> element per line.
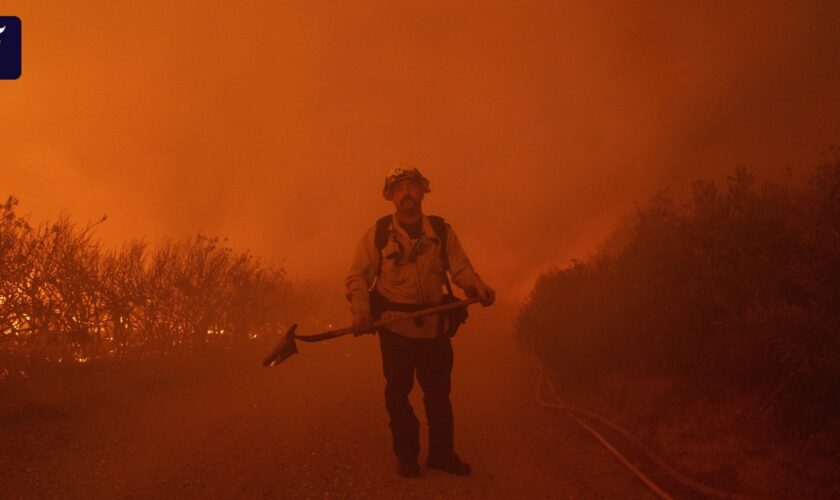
<point x="401" y="172"/>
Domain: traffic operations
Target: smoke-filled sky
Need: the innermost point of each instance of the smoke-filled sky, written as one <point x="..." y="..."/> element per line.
<point x="538" y="123"/>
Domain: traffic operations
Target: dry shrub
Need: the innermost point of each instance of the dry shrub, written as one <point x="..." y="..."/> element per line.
<point x="732" y="293"/>
<point x="64" y="298"/>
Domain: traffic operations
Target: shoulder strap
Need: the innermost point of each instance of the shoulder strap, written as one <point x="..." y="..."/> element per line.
<point x="439" y="226"/>
<point x="380" y="238"/>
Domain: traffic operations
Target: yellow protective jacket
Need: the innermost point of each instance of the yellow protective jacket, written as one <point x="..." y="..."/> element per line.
<point x="404" y="280"/>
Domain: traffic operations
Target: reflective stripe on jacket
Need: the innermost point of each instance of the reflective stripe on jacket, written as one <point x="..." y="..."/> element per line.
<point x="405" y="280"/>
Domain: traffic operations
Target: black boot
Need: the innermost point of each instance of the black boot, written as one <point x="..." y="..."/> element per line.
<point x="450" y="464"/>
<point x="407" y="467"/>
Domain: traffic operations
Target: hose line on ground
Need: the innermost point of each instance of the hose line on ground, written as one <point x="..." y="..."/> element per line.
<point x="572" y="412"/>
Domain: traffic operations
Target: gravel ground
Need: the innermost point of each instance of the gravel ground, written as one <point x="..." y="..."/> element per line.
<point x="314" y="427"/>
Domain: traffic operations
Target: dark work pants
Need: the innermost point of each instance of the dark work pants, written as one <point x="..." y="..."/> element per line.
<point x="431" y="359"/>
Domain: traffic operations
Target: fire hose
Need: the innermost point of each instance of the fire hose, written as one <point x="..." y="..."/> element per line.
<point x="574" y="412"/>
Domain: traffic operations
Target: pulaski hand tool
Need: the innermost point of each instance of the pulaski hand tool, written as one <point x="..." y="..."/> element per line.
<point x="286" y="347"/>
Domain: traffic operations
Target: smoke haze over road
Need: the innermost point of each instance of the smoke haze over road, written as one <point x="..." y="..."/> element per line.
<point x="273" y="124"/>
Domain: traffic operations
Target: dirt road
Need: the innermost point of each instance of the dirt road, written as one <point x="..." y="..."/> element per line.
<point x="314" y="427"/>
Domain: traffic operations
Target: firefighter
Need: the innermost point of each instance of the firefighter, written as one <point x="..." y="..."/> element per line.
<point x="402" y="264"/>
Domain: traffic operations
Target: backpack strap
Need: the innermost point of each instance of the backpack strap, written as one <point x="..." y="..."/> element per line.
<point x="380" y="238"/>
<point x="439" y="226"/>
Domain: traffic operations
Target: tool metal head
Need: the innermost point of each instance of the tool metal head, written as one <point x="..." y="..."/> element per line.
<point x="283" y="350"/>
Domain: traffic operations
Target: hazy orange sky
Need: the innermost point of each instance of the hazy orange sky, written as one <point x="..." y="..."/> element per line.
<point x="273" y="123"/>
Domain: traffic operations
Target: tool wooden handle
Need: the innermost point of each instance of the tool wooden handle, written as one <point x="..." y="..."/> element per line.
<point x="425" y="312"/>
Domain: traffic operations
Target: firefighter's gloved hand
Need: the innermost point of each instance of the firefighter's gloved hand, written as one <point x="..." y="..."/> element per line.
<point x="485" y="294"/>
<point x="362" y="323"/>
